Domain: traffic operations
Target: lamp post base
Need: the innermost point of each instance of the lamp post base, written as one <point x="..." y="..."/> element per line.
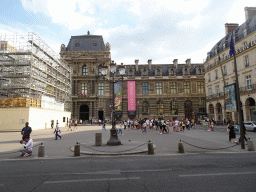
<point x="113" y="138"/>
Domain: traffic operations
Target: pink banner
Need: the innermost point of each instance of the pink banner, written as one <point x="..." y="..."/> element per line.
<point x="131" y="95"/>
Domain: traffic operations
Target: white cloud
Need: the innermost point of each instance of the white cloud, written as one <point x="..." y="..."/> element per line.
<point x="194" y="22"/>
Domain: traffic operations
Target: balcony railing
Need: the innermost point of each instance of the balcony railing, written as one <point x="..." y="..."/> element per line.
<point x="214" y="96"/>
<point x="248" y="88"/>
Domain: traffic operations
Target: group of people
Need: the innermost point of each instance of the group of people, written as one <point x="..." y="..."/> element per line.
<point x="72" y="123"/>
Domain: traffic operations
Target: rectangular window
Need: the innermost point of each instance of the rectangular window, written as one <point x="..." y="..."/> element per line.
<point x="145" y="88"/>
<point x="217" y="90"/>
<point x="249" y="82"/>
<point x="200" y="87"/>
<point x="173" y="87"/>
<point x="210" y="92"/>
<point x="159" y="88"/>
<point x="217" y="74"/>
<point x="84" y="88"/>
<point x="225" y="70"/>
<point x="209" y="77"/>
<point x="186" y="87"/>
<point x="101" y="89"/>
<point x="246" y="61"/>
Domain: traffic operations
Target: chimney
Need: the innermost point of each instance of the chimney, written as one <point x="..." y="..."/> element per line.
<point x="249" y="12"/>
<point x="188" y="61"/>
<point x="230" y="26"/>
<point x="137" y="64"/>
<point x="149" y="64"/>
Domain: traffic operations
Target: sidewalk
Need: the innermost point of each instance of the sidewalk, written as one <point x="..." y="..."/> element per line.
<point x="166" y="144"/>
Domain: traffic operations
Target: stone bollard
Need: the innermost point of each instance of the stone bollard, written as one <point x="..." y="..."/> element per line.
<point x="181" y="147"/>
<point x="250" y="146"/>
<point x="98" y="139"/>
<point x="150" y="148"/>
<point x="41" y="150"/>
<point x="77" y="149"/>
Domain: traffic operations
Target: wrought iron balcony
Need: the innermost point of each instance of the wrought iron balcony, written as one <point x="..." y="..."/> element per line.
<point x="214" y="96"/>
<point x="248" y="88"/>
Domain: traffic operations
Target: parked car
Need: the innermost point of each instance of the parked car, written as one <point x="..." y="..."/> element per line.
<point x="250" y="125"/>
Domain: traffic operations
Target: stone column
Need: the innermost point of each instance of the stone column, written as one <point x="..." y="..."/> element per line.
<point x="215" y="113"/>
<point x="76" y="112"/>
<point x="246" y="113"/>
<point x="76" y="88"/>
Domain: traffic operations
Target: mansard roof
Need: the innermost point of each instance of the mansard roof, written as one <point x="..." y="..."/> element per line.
<point x="249" y="26"/>
<point x="86" y="43"/>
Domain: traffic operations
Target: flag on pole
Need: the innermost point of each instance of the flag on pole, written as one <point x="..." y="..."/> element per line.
<point x="232" y="50"/>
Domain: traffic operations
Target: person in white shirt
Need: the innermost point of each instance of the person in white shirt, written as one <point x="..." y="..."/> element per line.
<point x="27" y="146"/>
<point x="57" y="130"/>
<point x="176" y="125"/>
<point x="120" y="128"/>
<point x="144" y="127"/>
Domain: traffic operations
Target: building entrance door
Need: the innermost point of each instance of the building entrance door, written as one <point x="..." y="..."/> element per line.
<point x="84" y="112"/>
<point x="100" y="115"/>
<point x="188" y="109"/>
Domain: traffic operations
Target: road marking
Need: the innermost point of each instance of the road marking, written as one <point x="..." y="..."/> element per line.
<point x="141" y="171"/>
<point x="217" y="174"/>
<point x="113" y="172"/>
<point x="91" y="180"/>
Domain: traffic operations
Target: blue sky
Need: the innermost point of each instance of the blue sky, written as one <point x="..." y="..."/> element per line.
<point x="160" y="30"/>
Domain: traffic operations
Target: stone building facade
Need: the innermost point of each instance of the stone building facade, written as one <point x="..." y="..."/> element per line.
<point x="167" y="91"/>
<point x="219" y="70"/>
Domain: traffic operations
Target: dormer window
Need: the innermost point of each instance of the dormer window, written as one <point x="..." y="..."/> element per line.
<point x="144" y="72"/>
<point x="215" y="51"/>
<point x="245" y="32"/>
<point x="224" y="46"/>
<point x="158" y="71"/>
<point x="185" y="71"/>
<point x="172" y="71"/>
<point x="130" y="72"/>
<point x="117" y="73"/>
<point x="199" y="71"/>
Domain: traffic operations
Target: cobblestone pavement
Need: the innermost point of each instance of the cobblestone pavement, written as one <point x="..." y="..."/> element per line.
<point x="166" y="144"/>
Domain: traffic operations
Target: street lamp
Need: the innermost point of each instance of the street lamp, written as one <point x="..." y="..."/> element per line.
<point x="113" y="131"/>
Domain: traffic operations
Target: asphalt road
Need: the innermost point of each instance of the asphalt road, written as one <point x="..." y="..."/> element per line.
<point x="188" y="172"/>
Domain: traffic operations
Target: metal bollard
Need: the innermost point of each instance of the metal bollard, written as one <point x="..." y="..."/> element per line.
<point x="150" y="148"/>
<point x="77" y="149"/>
<point x="98" y="139"/>
<point x="181" y="147"/>
<point x="250" y="146"/>
<point x="41" y="150"/>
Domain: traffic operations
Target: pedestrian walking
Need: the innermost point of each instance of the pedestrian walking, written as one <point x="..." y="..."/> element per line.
<point x="26" y="131"/>
<point x="75" y="127"/>
<point x="183" y="125"/>
<point x="69" y="125"/>
<point x="52" y="123"/>
<point x="144" y="128"/>
<point x="104" y="126"/>
<point x="120" y="128"/>
<point x="232" y="134"/>
<point x="125" y="124"/>
<point x="27" y="146"/>
<point x="176" y="125"/>
<point x="57" y="131"/>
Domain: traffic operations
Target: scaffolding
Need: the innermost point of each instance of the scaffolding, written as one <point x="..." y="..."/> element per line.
<point x="32" y="74"/>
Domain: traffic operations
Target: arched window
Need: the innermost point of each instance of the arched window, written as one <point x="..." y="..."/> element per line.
<point x="130" y="72"/>
<point x="160" y="107"/>
<point x="158" y="71"/>
<point x="145" y="107"/>
<point x="174" y="108"/>
<point x="144" y="72"/>
<point x="99" y="70"/>
<point x="84" y="70"/>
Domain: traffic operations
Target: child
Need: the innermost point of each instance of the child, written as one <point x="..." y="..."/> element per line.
<point x="57" y="130"/>
<point x="120" y="128"/>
